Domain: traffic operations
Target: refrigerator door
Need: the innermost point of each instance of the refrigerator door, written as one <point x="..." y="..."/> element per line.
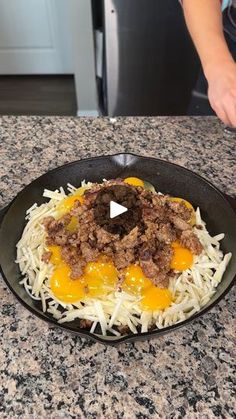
<point x="150" y="63"/>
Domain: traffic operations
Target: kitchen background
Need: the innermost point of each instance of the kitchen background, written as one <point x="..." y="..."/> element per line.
<point x="91" y="57"/>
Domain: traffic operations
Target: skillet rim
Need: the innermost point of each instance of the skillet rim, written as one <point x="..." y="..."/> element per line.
<point x="126" y="338"/>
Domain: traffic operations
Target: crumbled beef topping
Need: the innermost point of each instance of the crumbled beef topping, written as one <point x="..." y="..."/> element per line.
<point x="180" y="209"/>
<point x="123" y="329"/>
<point x="151" y="270"/>
<point x="179" y="223"/>
<point x="124" y="258"/>
<point x="190" y="240"/>
<point x="149" y="243"/>
<point x="122" y="194"/>
<point x="46" y="256"/>
<point x="163" y="256"/>
<point x="85" y="324"/>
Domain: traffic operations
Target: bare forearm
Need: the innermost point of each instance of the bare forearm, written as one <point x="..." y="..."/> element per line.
<point x="204" y="21"/>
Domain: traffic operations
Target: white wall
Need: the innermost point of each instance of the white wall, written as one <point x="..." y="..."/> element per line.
<point x="50" y="37"/>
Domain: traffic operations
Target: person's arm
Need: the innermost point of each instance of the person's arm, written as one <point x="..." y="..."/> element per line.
<point x="204" y="21"/>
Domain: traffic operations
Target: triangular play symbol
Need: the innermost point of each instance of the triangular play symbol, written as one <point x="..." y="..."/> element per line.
<point x="116" y="209"/>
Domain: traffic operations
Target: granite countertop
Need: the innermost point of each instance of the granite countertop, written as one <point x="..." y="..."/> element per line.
<point x="48" y="373"/>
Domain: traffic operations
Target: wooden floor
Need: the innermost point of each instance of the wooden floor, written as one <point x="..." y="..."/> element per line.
<point x="37" y="95"/>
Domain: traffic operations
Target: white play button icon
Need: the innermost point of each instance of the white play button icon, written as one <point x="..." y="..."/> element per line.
<point x="116" y="209"/>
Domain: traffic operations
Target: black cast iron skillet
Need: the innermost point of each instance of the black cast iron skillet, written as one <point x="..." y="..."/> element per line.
<point x="166" y="177"/>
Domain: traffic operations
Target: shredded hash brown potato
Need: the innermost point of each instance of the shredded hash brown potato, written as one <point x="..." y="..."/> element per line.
<point x="191" y="289"/>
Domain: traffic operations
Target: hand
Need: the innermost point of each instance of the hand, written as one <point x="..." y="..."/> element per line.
<point x="222" y="91"/>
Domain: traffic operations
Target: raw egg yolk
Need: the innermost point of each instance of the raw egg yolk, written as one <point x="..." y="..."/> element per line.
<point x="100" y="276"/>
<point x="66" y="204"/>
<point x="155" y="298"/>
<point x="134" y="181"/>
<point x="55" y="258"/>
<point x="135" y="281"/>
<point x="189" y="206"/>
<point x="64" y="288"/>
<point x="182" y="258"/>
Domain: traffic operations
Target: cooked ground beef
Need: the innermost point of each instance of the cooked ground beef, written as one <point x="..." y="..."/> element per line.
<point x="161" y="280"/>
<point x="179" y="223"/>
<point x="77" y="269"/>
<point x="103" y="237"/>
<point x="179" y="208"/>
<point x="149" y="243"/>
<point x="190" y="240"/>
<point x="89" y="253"/>
<point x="46" y="256"/>
<point x="165" y="233"/>
<point x="127" y="197"/>
<point x="146" y="249"/>
<point x="163" y="257"/>
<point x="150" y="269"/>
<point x="70" y="254"/>
<point x="124" y="258"/>
<point x="130" y="241"/>
<point x="85" y="324"/>
<point x="123" y="329"/>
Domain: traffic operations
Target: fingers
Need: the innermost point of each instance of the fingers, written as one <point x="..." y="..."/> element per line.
<point x="226" y="111"/>
<point x="231" y="113"/>
<point x="221" y="113"/>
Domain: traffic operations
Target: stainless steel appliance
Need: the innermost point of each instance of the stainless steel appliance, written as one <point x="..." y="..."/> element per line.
<point x="150" y="65"/>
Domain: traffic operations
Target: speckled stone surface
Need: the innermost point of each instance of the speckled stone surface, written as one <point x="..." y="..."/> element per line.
<point x="49" y="373"/>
